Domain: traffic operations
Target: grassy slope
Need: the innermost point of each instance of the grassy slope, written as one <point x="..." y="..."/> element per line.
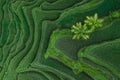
<point x="25" y="30"/>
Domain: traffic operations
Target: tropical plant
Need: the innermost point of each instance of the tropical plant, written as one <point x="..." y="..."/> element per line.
<point x="94" y="21"/>
<point x="90" y="25"/>
<point x="80" y="31"/>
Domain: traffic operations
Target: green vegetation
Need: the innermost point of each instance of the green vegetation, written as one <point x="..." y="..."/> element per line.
<point x="65" y="50"/>
<point x="90" y="25"/>
<point x="36" y="41"/>
<point x="80" y="31"/>
<point x="115" y="14"/>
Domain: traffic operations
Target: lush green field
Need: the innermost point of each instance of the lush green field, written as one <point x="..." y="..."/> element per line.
<point x="36" y="41"/>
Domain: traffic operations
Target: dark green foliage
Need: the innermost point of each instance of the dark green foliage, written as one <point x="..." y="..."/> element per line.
<point x="35" y="44"/>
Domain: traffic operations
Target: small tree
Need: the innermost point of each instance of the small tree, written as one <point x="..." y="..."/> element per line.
<point x="90" y="25"/>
